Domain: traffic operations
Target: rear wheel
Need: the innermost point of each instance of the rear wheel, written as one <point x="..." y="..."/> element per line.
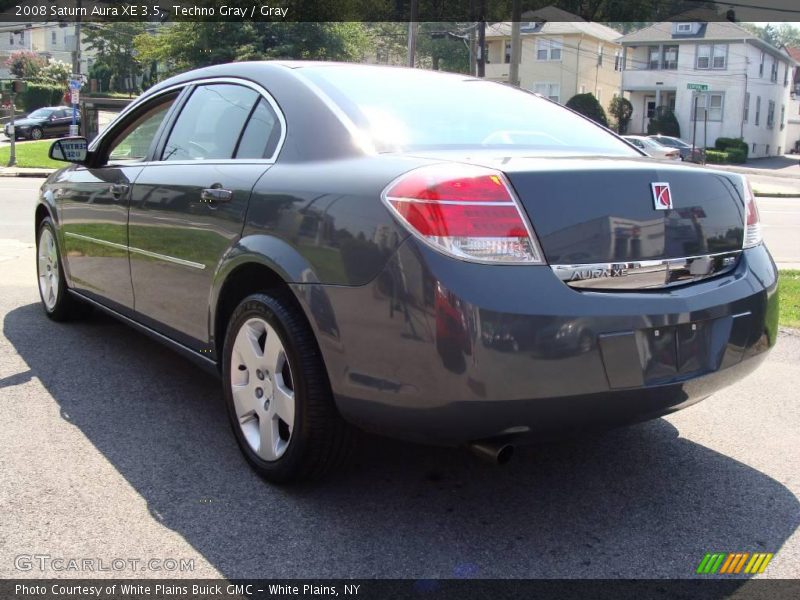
<point x="36" y="133"/>
<point x="277" y="392"/>
<point x="57" y="303"/>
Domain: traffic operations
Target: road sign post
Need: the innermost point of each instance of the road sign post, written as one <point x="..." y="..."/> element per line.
<point x="697" y="88"/>
<point x="75" y="96"/>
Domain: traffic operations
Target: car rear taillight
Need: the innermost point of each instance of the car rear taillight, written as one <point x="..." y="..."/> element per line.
<point x="752" y="229"/>
<point x="467" y="212"/>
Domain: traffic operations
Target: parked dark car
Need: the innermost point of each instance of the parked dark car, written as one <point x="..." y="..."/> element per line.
<point x="423" y="255"/>
<point x="684" y="148"/>
<point x="53" y="121"/>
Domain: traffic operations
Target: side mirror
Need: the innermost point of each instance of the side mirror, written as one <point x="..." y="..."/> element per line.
<point x="70" y="149"/>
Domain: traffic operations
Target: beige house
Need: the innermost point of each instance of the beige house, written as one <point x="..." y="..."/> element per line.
<point x="559" y="58"/>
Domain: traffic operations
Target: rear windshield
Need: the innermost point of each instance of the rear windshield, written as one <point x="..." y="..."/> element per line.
<point x="404" y="109"/>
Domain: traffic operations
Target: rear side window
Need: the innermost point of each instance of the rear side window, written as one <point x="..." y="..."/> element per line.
<point x="210" y="123"/>
<point x="260" y="137"/>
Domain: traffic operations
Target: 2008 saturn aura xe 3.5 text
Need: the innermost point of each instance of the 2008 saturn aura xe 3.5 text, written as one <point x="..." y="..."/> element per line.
<point x="422" y="255"/>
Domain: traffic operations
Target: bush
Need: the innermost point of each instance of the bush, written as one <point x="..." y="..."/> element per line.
<point x="664" y="122"/>
<point x="736" y="155"/>
<point x="37" y="95"/>
<point x="621" y="109"/>
<point x="588" y="106"/>
<point x="726" y="144"/>
<point x="716" y="156"/>
<point x="731" y="156"/>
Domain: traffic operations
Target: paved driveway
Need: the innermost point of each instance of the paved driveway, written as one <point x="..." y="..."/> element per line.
<point x="114" y="447"/>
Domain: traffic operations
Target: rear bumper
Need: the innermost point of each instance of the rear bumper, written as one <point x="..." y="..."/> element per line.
<point x="446" y="352"/>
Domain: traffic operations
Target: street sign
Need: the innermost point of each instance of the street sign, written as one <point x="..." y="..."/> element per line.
<point x="700" y="87"/>
<point x="75" y="96"/>
<point x="74" y="84"/>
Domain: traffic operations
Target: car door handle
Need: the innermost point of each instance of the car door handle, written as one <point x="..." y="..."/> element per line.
<point x="118" y="189"/>
<point x="215" y="195"/>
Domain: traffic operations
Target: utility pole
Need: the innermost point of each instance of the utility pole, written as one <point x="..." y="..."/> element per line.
<point x="12" y="151"/>
<point x="76" y="53"/>
<point x="412" y="33"/>
<point x="513" y="69"/>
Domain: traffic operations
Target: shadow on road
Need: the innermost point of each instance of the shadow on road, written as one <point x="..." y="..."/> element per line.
<point x="638" y="502"/>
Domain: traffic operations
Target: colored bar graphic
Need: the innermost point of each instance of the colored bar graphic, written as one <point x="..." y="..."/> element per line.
<point x="731" y="563"/>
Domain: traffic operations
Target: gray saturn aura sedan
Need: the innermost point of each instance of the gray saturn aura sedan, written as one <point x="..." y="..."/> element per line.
<point x="422" y="255"/>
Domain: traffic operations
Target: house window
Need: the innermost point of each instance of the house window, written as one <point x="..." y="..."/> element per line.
<point x="548" y="49"/>
<point x="767" y="150"/>
<point x="52" y="37"/>
<point x="617" y="61"/>
<point x="761" y="66"/>
<point x="684" y="28"/>
<point x="754" y="148"/>
<point x="712" y="56"/>
<point x="507" y="53"/>
<point x="548" y="90"/>
<point x="11" y="39"/>
<point x="783" y="116"/>
<point x="758" y="110"/>
<point x="670" y="58"/>
<point x="703" y="57"/>
<point x="773" y="76"/>
<point x="22" y="38"/>
<point x="710" y="103"/>
<point x="654" y="54"/>
<point x="720" y="56"/>
<point x="746" y="107"/>
<point x="771" y="114"/>
<point x="599" y="55"/>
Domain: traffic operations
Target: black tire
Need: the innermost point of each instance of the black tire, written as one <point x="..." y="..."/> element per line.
<point x="66" y="307"/>
<point x="320" y="439"/>
<point x="37" y="133"/>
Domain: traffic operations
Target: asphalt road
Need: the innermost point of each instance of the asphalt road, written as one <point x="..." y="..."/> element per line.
<point x="114" y="447"/>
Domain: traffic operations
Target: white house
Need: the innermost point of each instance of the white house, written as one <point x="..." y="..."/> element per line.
<point x="55" y="41"/>
<point x="559" y="58"/>
<point x="793" y="111"/>
<point x="747" y="79"/>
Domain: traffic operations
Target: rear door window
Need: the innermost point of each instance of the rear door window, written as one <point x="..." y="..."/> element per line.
<point x="210" y="123"/>
<point x="261" y="135"/>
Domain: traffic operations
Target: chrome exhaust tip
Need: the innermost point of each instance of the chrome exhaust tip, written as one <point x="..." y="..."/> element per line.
<point x="497" y="453"/>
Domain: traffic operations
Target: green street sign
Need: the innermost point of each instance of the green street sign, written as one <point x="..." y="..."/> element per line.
<point x="700" y="87"/>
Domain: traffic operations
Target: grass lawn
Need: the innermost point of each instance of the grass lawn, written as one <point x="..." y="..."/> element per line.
<point x="790" y="298"/>
<point x="31" y="154"/>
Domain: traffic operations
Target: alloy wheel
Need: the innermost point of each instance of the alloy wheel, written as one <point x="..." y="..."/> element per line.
<point x="262" y="389"/>
<point x="48" y="269"/>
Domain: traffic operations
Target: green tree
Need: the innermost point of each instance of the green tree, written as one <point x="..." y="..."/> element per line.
<point x="588" y="106"/>
<point x="621" y="109"/>
<point x="187" y="45"/>
<point x="116" y="54"/>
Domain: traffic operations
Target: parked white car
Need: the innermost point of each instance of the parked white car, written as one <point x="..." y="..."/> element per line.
<point x="653" y="148"/>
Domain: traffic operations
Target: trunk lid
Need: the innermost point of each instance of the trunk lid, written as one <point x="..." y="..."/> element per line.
<point x="588" y="211"/>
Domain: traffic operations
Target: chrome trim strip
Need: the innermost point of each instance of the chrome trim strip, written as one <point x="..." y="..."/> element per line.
<point x="235" y="80"/>
<point x="156" y="255"/>
<point x="646" y="274"/>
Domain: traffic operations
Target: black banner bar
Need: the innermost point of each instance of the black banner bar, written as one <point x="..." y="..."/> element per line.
<point x="20" y="11"/>
<point x="433" y="589"/>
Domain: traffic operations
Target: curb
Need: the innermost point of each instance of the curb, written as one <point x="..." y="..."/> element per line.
<point x="758" y="194"/>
